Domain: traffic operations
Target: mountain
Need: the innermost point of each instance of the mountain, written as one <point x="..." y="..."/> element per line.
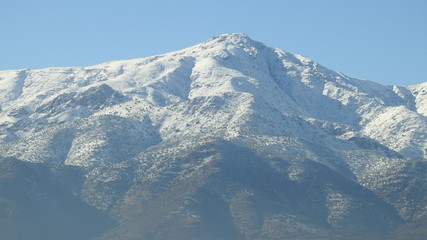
<point x="228" y="139"/>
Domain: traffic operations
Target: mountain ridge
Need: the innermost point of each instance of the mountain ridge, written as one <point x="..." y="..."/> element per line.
<point x="171" y="128"/>
<point x="304" y="88"/>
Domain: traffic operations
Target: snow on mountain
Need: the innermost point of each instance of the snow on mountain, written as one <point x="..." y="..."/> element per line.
<point x="261" y="83"/>
<point x="156" y="116"/>
<point x="419" y="93"/>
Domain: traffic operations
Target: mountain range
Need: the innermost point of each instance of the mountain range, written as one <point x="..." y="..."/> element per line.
<point x="228" y="139"/>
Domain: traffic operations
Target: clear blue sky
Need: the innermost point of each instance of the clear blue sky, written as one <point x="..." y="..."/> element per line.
<point x="380" y="40"/>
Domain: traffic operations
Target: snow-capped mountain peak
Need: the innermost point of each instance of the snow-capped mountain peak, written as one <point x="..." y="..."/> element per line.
<point x="232" y="74"/>
<point x="230" y="124"/>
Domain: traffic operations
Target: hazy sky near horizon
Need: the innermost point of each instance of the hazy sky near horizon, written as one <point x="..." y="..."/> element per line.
<point x="383" y="41"/>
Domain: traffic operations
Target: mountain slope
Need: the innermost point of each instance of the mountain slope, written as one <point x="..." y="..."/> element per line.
<point x="34" y="207"/>
<point x="229" y="134"/>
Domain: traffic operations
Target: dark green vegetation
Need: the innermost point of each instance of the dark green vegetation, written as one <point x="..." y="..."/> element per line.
<point x="216" y="191"/>
<point x="37" y="203"/>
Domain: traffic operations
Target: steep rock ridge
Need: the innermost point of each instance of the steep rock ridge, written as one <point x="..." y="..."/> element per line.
<point x="229" y="134"/>
<point x="419" y="93"/>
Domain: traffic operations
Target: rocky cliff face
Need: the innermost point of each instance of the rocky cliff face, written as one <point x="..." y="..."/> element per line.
<point x="229" y="139"/>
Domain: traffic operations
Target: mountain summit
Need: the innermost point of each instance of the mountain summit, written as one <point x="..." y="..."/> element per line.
<point x="228" y="139"/>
